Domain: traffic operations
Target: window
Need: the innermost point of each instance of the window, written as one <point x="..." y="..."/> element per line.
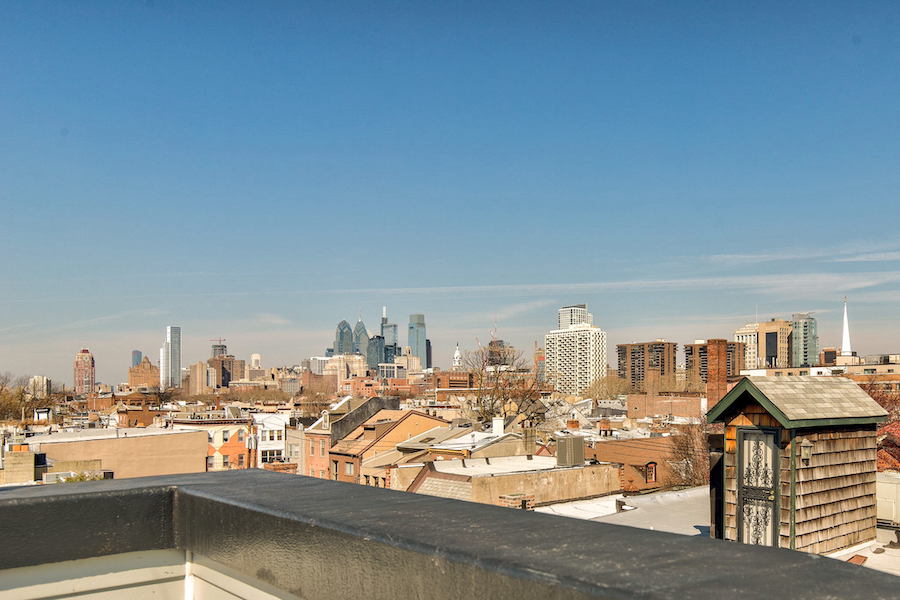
<point x="321" y="447"/>
<point x="210" y="463"/>
<point x="334" y="469"/>
<point x="225" y="461"/>
<point x="650" y="472"/>
<point x="212" y="437"/>
<point x="312" y="448"/>
<point x="240" y="461"/>
<point x="279" y="435"/>
<point x="225" y="435"/>
<point x="348" y="468"/>
<point x="269" y="456"/>
<point x="240" y="435"/>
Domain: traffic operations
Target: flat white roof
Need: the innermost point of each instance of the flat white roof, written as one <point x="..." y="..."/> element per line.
<point x="103" y="434"/>
<point x="495" y="466"/>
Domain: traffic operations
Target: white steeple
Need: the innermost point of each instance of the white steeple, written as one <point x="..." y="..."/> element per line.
<point x="457" y="357"/>
<point x="846" y="349"/>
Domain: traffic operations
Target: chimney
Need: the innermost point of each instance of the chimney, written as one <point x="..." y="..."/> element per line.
<point x="497" y="426"/>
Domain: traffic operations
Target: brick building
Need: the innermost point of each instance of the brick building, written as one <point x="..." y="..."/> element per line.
<point x="637" y="358"/>
<point x="143" y="375"/>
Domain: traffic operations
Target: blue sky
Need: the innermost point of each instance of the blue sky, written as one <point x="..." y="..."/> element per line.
<point x="259" y="171"/>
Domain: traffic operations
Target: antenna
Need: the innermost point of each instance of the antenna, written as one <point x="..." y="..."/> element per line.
<point x="219" y="340"/>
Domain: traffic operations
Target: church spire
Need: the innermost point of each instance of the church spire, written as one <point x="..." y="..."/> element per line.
<point x="846" y="349"/>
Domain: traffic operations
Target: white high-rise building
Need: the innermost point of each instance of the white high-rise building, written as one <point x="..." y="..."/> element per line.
<point x="576" y="314"/>
<point x="170" y="359"/>
<point x="575" y="354"/>
<point x="749" y="336"/>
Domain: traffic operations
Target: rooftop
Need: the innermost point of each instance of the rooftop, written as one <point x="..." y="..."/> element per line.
<point x="805" y="400"/>
<point x="102" y="434"/>
<point x="495" y="466"/>
<point x="192" y="536"/>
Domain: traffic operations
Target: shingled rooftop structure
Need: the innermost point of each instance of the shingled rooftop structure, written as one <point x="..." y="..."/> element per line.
<point x="799" y="467"/>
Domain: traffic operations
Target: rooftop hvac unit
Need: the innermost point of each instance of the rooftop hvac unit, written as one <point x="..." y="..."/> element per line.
<point x="570" y="451"/>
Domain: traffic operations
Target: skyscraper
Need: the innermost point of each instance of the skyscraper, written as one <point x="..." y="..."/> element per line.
<point x="388" y="330"/>
<point x="375" y="351"/>
<point x="575" y="356"/>
<point x="343" y="338"/>
<point x="360" y="338"/>
<point x="767" y="344"/>
<point x="136" y="356"/>
<point x="805" y="340"/>
<point x="84" y="373"/>
<point x="170" y="359"/>
<point x="416" y="338"/>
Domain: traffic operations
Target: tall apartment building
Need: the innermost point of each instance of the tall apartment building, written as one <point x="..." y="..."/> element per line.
<point x="636" y="358"/>
<point x="804" y="340"/>
<point x="84" y="373"/>
<point x="575" y="356"/>
<point x="170" y="359"/>
<point x="713" y="362"/>
<point x="705" y="358"/>
<point x="416" y="338"/>
<point x="136" y="357"/>
<point x="575" y="314"/>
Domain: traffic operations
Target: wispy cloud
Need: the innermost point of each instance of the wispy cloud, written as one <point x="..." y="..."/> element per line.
<point x="784" y="284"/>
<point x="270" y="319"/>
<point x="851" y="252"/>
<point x="871" y="257"/>
<point x="510" y="311"/>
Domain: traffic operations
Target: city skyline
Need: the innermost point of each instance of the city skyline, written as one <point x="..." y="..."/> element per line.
<point x="678" y="169"/>
<point x="196" y="346"/>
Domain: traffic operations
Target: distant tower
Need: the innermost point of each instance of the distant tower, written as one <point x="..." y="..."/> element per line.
<point x="219" y="349"/>
<point x="457" y="358"/>
<point x="255" y="361"/>
<point x="360" y="338"/>
<point x="136" y="357"/>
<point x="170" y="359"/>
<point x="846" y="349"/>
<point x="84" y="372"/>
<point x="416" y="338"/>
<point x="343" y="338"/>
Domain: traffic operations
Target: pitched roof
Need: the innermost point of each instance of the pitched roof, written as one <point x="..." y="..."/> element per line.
<point x="805" y="401"/>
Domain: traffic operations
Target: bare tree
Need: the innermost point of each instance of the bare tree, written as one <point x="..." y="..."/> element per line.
<point x="504" y="382"/>
<point x="690" y="455"/>
<point x="607" y="388"/>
